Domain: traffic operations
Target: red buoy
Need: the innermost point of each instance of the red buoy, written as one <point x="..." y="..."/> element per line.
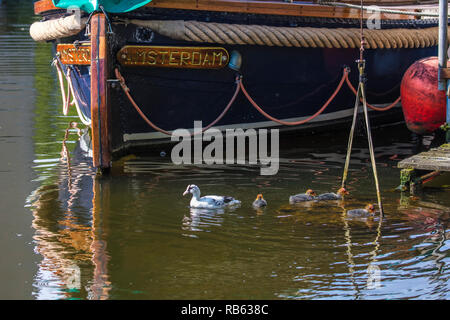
<point x="424" y="106"/>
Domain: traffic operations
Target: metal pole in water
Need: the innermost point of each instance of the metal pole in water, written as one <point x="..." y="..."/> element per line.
<point x="442" y="49"/>
<point x="371" y="148"/>
<point x="361" y="96"/>
<point x="350" y="138"/>
<point x="447" y="133"/>
<point x="443" y="84"/>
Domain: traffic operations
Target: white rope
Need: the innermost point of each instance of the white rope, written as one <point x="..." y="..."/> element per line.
<point x="86" y="121"/>
<point x="304" y="37"/>
<point x="65" y="98"/>
<point x="378" y="9"/>
<point x="70" y="91"/>
<point x="57" y="28"/>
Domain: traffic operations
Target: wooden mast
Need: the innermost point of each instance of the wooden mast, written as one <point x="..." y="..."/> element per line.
<point x="100" y="110"/>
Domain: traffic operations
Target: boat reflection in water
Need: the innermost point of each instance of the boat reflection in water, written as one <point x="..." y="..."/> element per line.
<point x="69" y="227"/>
<point x="132" y="235"/>
<point x="431" y="219"/>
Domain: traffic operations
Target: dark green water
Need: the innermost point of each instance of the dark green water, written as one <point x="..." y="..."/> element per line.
<point x="67" y="234"/>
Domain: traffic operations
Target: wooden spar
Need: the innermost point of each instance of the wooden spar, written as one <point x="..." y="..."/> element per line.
<point x="100" y="111"/>
<point x="295" y="8"/>
<point x="274" y="7"/>
<point x="43" y="6"/>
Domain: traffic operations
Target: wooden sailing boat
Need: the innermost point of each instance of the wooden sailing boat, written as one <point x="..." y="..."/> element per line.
<point x="138" y="75"/>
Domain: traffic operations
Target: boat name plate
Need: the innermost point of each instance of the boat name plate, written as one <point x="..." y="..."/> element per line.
<point x="174" y="57"/>
<point x="74" y="54"/>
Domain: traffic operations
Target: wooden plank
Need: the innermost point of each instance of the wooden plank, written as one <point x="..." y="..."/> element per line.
<point x="444" y="73"/>
<point x="436" y="159"/>
<point x="296" y="8"/>
<point x="43" y="5"/>
<point x="100" y="116"/>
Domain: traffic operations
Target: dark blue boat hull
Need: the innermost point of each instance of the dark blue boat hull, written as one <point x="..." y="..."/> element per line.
<point x="288" y="83"/>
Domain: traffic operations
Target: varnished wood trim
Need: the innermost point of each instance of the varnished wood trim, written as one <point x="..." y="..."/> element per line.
<point x="43" y="6"/>
<point x="100" y="117"/>
<point x="72" y="54"/>
<point x="388" y="2"/>
<point x="296" y="8"/>
<point x="444" y="73"/>
<point x="299" y="9"/>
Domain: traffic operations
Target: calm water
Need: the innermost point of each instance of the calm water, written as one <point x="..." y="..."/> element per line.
<point x="67" y="234"/>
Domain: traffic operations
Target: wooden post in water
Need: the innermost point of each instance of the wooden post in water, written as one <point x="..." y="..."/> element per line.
<point x="442" y="48"/>
<point x="443" y="83"/>
<point x="100" y="111"/>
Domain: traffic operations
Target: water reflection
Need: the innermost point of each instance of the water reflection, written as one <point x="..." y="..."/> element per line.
<point x="132" y="235"/>
<point x="202" y="219"/>
<point x="69" y="231"/>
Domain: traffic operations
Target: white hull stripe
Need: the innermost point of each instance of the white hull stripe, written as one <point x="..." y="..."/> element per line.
<point x="254" y="125"/>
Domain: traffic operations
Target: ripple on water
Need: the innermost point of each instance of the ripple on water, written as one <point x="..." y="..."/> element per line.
<point x="309" y="251"/>
<point x="133" y="235"/>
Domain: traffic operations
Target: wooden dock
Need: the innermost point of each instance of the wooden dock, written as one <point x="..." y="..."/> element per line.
<point x="425" y="167"/>
<point x="436" y="159"/>
<point x="433" y="165"/>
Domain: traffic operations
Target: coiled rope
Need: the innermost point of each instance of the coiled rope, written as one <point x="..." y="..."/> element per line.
<point x="238" y="34"/>
<point x="302" y="37"/>
<point x="57" y="28"/>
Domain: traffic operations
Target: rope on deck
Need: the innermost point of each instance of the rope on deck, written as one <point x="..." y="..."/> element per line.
<point x="237" y="34"/>
<point x="304" y="37"/>
<point x="378" y="9"/>
<point x="57" y="28"/>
